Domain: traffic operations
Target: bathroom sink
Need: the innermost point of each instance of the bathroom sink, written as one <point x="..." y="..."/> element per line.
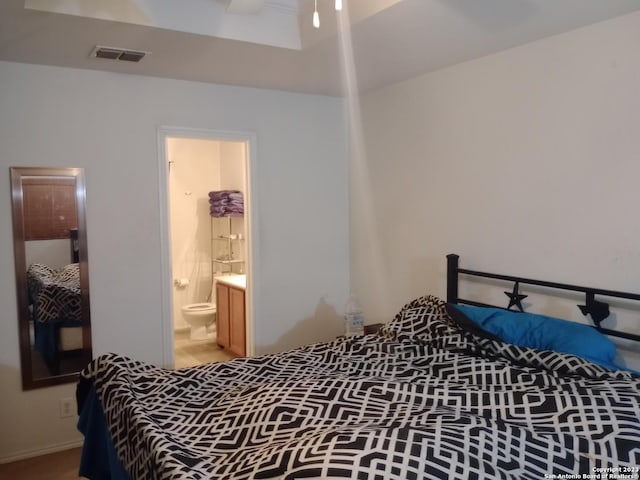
<point x="235" y="280"/>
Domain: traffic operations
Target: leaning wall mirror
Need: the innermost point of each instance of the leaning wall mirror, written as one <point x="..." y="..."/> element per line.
<point x="52" y="281"/>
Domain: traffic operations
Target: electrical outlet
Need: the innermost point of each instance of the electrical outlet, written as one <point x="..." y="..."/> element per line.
<point x="66" y="407"/>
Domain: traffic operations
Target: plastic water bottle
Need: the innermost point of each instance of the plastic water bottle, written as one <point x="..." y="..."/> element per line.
<point x="353" y="318"/>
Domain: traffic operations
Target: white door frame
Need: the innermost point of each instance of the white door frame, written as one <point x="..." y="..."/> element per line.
<point x="249" y="139"/>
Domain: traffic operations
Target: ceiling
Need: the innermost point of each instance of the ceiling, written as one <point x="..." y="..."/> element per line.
<point x="372" y="43"/>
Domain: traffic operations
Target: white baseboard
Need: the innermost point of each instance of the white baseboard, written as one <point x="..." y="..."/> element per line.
<point x="59" y="447"/>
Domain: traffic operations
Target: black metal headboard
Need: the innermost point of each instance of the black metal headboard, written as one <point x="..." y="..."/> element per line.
<point x="599" y="310"/>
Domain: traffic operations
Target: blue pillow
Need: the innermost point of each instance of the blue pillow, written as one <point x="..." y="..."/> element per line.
<point x="544" y="333"/>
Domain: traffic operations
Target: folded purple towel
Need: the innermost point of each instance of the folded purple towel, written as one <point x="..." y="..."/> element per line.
<point x="225" y="194"/>
<point x="226" y="203"/>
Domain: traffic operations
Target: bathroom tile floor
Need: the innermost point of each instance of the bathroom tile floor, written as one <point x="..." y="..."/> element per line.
<point x="189" y="354"/>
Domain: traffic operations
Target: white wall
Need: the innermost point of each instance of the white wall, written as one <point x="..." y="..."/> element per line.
<point x="56" y="253"/>
<point x="232" y="166"/>
<point x="523" y="162"/>
<point x="233" y="172"/>
<point x="108" y="124"/>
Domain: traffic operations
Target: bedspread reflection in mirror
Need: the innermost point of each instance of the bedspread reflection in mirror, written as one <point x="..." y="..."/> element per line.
<point x="52" y="284"/>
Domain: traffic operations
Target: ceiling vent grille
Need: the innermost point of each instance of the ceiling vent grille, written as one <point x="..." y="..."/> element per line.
<point x="123" y="54"/>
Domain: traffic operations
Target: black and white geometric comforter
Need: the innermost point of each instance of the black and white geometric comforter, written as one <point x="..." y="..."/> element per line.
<point x="55" y="294"/>
<point x="421" y="399"/>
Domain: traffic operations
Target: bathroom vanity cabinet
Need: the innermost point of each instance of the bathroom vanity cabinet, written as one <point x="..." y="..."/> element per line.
<point x="230" y="308"/>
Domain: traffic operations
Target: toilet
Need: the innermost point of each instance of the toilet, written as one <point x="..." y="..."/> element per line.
<point x="201" y="318"/>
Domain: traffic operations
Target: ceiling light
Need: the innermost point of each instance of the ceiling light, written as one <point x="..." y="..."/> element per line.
<point x="316" y="16"/>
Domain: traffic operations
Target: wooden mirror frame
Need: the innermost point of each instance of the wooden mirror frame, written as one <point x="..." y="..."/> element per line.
<point x="17" y="200"/>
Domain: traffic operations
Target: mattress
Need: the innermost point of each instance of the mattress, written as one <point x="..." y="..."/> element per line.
<point x="422" y="398"/>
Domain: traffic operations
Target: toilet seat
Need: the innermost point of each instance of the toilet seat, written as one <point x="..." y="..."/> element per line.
<point x="197" y="309"/>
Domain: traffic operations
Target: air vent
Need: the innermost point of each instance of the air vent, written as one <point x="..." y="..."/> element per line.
<point x="123" y="54"/>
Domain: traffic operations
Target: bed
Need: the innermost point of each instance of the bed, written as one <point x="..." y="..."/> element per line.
<point x="56" y="311"/>
<point x="435" y="393"/>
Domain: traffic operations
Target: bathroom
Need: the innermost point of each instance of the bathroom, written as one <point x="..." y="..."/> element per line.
<point x="208" y="242"/>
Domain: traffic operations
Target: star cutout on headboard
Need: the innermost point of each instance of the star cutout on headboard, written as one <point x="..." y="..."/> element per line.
<point x="515" y="297"/>
<point x="598" y="310"/>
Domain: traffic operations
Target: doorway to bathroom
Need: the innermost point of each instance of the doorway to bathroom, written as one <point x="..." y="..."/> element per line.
<point x="207" y="251"/>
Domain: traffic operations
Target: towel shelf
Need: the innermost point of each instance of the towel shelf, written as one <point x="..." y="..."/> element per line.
<point x="227" y="248"/>
<point x="235" y="236"/>
<point x="227" y="262"/>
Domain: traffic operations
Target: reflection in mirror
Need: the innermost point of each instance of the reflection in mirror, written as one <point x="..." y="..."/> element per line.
<point x="52" y="283"/>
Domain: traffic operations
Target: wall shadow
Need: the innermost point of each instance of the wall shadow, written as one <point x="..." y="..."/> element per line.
<point x="324" y="325"/>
